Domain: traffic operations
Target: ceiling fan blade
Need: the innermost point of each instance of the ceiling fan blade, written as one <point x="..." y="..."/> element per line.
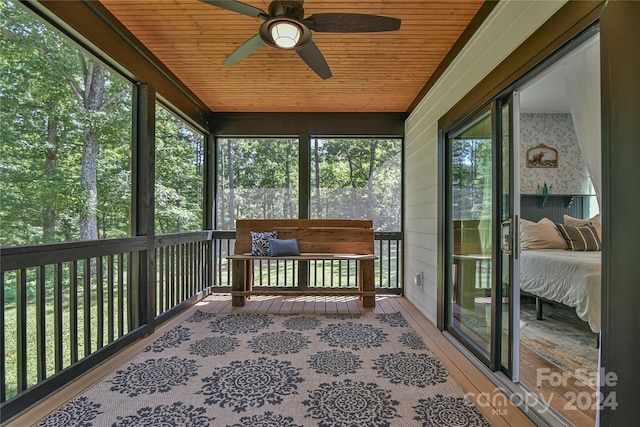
<point x="244" y="50"/>
<point x="315" y="60"/>
<point x="236" y="6"/>
<point x="351" y="23"/>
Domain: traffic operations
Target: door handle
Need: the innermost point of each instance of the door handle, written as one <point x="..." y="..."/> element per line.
<point x="506" y="240"/>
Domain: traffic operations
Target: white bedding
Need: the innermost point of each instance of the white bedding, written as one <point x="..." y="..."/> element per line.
<point x="567" y="277"/>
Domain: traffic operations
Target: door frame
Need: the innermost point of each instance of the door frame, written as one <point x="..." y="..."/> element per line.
<point x="445" y="172"/>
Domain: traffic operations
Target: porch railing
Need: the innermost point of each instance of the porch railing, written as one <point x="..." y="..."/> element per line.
<point x="69" y="306"/>
<point x="320" y="274"/>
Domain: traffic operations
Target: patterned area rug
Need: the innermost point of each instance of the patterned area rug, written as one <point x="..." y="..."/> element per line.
<point x="242" y="369"/>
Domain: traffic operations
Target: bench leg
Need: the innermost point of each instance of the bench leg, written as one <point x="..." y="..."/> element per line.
<point x="367" y="283"/>
<point x="238" y="274"/>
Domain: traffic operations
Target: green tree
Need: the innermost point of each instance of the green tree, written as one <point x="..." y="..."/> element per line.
<point x="179" y="175"/>
<point x="65" y="137"/>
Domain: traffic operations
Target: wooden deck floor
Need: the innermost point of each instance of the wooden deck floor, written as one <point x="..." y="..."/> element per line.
<point x="478" y="387"/>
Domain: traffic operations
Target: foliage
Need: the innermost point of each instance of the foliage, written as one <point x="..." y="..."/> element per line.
<point x="65" y="157"/>
<point x="357" y="179"/>
<point x="350" y="178"/>
<point x="179" y="175"/>
<point x="471" y="160"/>
<point x="49" y="109"/>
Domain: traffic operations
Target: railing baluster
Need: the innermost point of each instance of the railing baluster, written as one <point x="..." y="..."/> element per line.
<point x="187" y="272"/>
<point x="204" y="266"/>
<point x="100" y="302"/>
<point x="132" y="321"/>
<point x="57" y="317"/>
<point x="327" y="273"/>
<point x="178" y="274"/>
<point x="160" y="283"/>
<point x="3" y="352"/>
<point x="398" y="263"/>
<point x="41" y="333"/>
<point x="21" y="323"/>
<point x="378" y="262"/>
<point x="183" y="276"/>
<point x="228" y="263"/>
<point x="175" y="273"/>
<point x="120" y="295"/>
<point x="172" y="276"/>
<point x="388" y="261"/>
<point x="196" y="265"/>
<point x="86" y="309"/>
<point x="110" y="304"/>
<point x="167" y="278"/>
<point x="217" y="261"/>
<point x="355" y="272"/>
<point x="73" y="311"/>
<point x="194" y="269"/>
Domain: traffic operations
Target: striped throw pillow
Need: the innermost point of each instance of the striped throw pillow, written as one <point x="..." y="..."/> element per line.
<point x="582" y="238"/>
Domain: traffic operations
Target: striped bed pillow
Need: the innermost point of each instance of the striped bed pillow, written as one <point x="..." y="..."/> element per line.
<point x="581" y="238"/>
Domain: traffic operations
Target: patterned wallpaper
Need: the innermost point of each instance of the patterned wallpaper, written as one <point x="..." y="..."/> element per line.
<point x="555" y="130"/>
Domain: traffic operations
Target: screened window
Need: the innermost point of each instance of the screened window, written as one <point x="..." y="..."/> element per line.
<point x="357" y="178"/>
<point x="65" y="140"/>
<point x="179" y="175"/>
<point x="257" y="178"/>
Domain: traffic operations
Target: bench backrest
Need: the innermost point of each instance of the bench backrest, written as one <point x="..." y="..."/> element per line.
<point x="331" y="236"/>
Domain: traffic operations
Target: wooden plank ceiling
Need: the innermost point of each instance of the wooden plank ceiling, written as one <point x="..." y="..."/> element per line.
<point x="372" y="72"/>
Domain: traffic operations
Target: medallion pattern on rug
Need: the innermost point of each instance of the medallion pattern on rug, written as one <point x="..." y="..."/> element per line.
<point x="79" y="412"/>
<point x="351" y="403"/>
<point x="251" y="383"/>
<point x="448" y="411"/>
<point x="335" y="362"/>
<point x="353" y="335"/>
<point x="153" y="376"/>
<point x="296" y="370"/>
<point x="173" y="338"/>
<point x="167" y="415"/>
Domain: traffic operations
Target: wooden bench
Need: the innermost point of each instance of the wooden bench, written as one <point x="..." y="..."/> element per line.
<point x="318" y="239"/>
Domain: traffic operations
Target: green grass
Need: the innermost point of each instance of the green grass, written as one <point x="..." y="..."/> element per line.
<point x="11" y="325"/>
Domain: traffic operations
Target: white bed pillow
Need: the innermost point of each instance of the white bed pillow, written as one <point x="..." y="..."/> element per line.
<point x="540" y="235"/>
<point x="577" y="222"/>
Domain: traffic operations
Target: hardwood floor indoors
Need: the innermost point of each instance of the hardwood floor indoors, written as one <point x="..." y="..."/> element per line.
<point x="560" y="396"/>
<point x="478" y="387"/>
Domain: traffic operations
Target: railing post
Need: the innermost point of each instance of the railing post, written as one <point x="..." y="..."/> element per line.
<point x="143" y="206"/>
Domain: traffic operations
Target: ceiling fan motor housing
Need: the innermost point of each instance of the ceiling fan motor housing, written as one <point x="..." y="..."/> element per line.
<point x="288" y="8"/>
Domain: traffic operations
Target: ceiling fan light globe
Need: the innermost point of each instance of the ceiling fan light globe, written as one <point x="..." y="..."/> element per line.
<point x="285" y="34"/>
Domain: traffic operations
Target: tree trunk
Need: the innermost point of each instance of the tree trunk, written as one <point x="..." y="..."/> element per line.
<point x="372" y="158"/>
<point x="49" y="210"/>
<point x="353" y="210"/>
<point x="287" y="197"/>
<point x="93" y="97"/>
<point x="178" y="204"/>
<point x="232" y="219"/>
<point x="89" y="183"/>
<point x="317" y="167"/>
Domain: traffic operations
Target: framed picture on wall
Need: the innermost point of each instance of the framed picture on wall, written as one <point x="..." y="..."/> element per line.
<point x="542" y="156"/>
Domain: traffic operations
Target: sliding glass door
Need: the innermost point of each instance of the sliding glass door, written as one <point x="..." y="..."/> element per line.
<point x="478" y="230"/>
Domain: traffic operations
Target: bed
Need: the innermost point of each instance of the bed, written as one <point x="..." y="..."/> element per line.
<point x="567" y="277"/>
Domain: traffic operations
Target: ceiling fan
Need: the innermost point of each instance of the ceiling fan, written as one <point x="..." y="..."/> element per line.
<point x="286" y="28"/>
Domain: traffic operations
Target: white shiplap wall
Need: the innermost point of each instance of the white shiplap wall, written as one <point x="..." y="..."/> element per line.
<point x="510" y="23"/>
